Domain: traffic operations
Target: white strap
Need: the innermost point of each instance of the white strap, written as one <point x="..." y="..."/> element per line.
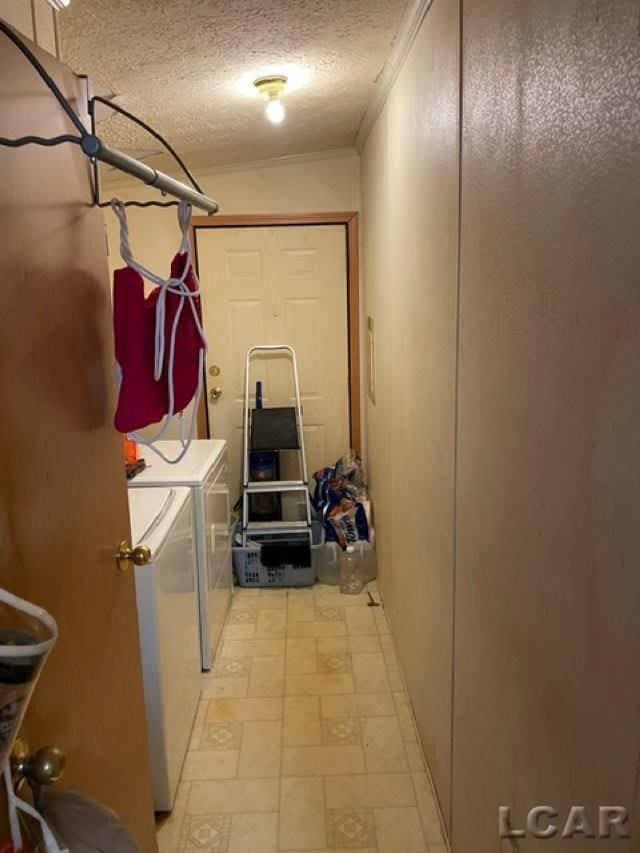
<point x="178" y="287"/>
<point x="15" y="804"/>
<point x="14" y="651"/>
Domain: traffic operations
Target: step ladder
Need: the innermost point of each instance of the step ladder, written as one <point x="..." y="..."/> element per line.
<point x="292" y="439"/>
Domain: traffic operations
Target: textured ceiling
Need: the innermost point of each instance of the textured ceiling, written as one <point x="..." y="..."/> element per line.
<point x="186" y="66"/>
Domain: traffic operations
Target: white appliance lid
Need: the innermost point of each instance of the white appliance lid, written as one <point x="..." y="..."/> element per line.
<point x="190" y="471"/>
<point x="152" y="513"/>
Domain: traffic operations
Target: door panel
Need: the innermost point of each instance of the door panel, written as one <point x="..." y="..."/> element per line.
<point x="63" y="497"/>
<point x="281" y="284"/>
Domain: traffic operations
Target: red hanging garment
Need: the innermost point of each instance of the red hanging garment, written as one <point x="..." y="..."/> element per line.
<point x="143" y="400"/>
<point x="159" y="341"/>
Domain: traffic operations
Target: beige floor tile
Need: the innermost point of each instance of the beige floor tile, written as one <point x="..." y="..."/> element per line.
<point x="243" y="613"/>
<point x="260" y="750"/>
<point x="415" y="756"/>
<point x="367" y="643"/>
<point x="373" y="790"/>
<point x="243" y="603"/>
<point x="360" y="621"/>
<point x="231" y="667"/>
<point x="210" y="764"/>
<point x="334" y="663"/>
<point x="329" y="628"/>
<point x="383" y="747"/>
<point x="252" y="648"/>
<point x="301" y="655"/>
<point x="302" y="721"/>
<point x="168" y="826"/>
<point x="301" y="609"/>
<point x="245" y="591"/>
<point x="302" y="815"/>
<point x="395" y="679"/>
<point x="214" y="686"/>
<point x="330" y="614"/>
<point x="272" y="602"/>
<point x="274" y="591"/>
<point x="196" y="731"/>
<point x="427" y="808"/>
<point x="350" y="828"/>
<point x="358" y="705"/>
<point x="205" y="832"/>
<point x="338" y="599"/>
<point x="290" y="706"/>
<point x="348" y="645"/>
<point x="233" y="631"/>
<point x="267" y="674"/>
<point x="322" y="760"/>
<point x="341" y="730"/>
<point x="380" y="617"/>
<point x="320" y="588"/>
<point x="254" y="833"/>
<point x="387" y="644"/>
<point x="271" y="624"/>
<point x="245" y="710"/>
<point x="234" y="795"/>
<point x="405" y="716"/>
<point x="220" y="735"/>
<point x="332" y="599"/>
<point x="399" y="830"/>
<point x="370" y="673"/>
<point x="324" y="682"/>
<point x="300" y="591"/>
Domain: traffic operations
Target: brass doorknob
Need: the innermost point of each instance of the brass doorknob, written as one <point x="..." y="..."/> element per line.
<point x="125" y="555"/>
<point x="43" y="767"/>
<point x="215" y="393"/>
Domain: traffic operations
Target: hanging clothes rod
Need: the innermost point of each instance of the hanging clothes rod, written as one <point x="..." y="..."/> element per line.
<point x="147" y="174"/>
<point x="97" y="151"/>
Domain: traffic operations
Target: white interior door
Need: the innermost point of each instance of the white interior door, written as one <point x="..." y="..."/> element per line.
<point x="277" y="285"/>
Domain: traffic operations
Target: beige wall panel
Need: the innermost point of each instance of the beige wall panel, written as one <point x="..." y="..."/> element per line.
<point x="44" y="17"/>
<point x="19" y="14"/>
<point x="547" y="682"/>
<point x="410" y="201"/>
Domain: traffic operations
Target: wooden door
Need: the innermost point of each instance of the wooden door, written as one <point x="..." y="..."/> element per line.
<point x="63" y="496"/>
<point x="270" y="285"/>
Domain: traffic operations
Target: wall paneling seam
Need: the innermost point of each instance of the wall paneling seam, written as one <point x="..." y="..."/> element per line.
<point x="456" y="416"/>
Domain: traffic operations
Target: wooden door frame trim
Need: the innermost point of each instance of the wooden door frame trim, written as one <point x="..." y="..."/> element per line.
<point x="348" y="218"/>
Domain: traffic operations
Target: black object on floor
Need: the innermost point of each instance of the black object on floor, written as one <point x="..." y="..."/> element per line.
<point x="274" y="429"/>
<point x="134" y="468"/>
<point x="285" y="553"/>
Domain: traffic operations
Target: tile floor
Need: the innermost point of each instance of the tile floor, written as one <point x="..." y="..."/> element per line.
<point x="304" y="739"/>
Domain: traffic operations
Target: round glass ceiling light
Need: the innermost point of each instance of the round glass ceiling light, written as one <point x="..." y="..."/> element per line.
<point x="272" y="88"/>
<point x="275" y="111"/>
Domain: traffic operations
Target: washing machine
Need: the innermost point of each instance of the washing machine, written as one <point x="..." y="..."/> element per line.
<point x="169" y="627"/>
<point x="204" y="471"/>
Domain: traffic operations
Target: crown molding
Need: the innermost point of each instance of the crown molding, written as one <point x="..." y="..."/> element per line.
<point x="116" y="180"/>
<point x="413" y="18"/>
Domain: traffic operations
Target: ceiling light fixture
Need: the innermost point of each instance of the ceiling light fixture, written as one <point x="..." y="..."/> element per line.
<point x="272" y="88"/>
<point x="59" y="5"/>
